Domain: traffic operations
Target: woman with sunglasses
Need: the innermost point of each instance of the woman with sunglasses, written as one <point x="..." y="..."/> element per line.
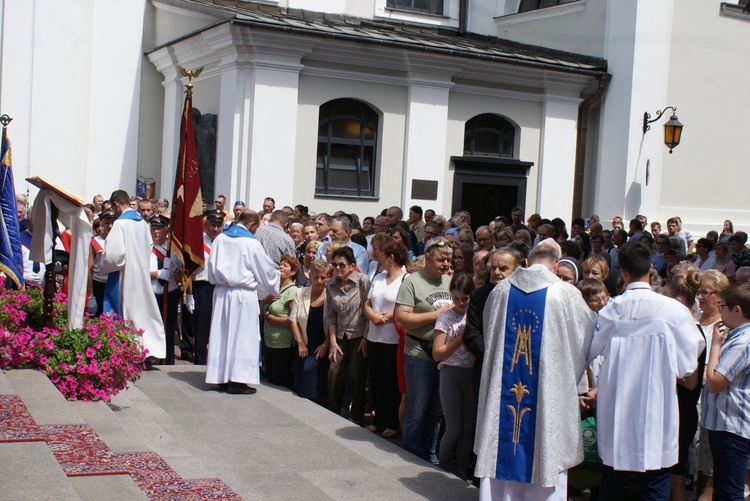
<point x="423" y="296"/>
<point x="346" y="293"/>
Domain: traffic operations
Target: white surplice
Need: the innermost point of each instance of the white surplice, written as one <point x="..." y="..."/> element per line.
<point x="237" y="266"/>
<point x="648" y="342"/>
<point x="127" y="249"/>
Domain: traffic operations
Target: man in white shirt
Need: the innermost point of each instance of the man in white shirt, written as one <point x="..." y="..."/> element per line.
<point x="649" y="343"/>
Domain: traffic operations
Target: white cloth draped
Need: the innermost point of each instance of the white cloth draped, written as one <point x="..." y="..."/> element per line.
<point x="73" y="217"/>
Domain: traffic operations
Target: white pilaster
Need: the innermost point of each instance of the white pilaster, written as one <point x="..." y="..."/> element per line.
<point x="557" y="153"/>
<point x="637" y="50"/>
<point x="259" y="81"/>
<point x="166" y="63"/>
<point x="426" y="130"/>
<point x="273" y="108"/>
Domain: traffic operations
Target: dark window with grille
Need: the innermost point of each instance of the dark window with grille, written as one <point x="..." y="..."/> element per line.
<point x="428" y="6"/>
<point x="490" y="136"/>
<point x="347" y="144"/>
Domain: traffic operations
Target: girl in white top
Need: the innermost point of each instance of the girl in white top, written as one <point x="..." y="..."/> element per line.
<point x="456" y="378"/>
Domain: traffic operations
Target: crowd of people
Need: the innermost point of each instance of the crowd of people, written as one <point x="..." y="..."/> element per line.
<point x="508" y="332"/>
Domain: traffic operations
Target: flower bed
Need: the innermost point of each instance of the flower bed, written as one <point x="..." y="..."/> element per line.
<point x="91" y="363"/>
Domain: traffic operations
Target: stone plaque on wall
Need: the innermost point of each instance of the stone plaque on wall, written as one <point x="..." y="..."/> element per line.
<point x="423" y="189"/>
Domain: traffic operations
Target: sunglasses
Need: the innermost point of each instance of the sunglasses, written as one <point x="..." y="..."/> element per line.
<point x="440" y="244"/>
<point x="340" y="265"/>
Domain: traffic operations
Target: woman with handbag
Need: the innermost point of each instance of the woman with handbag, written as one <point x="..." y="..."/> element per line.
<point x="311" y="364"/>
<point x="382" y="339"/>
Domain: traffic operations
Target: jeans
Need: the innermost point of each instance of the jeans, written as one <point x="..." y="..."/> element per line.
<point x="457" y="399"/>
<point x="423" y="412"/>
<point x="730" y="453"/>
<point x="654" y="483"/>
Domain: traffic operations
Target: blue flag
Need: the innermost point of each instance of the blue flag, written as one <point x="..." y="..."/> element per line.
<point x="11" y="259"/>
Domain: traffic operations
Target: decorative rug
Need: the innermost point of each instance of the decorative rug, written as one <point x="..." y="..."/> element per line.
<point x="81" y="452"/>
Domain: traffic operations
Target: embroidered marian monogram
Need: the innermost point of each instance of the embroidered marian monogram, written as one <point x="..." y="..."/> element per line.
<point x="520" y="390"/>
<point x="522" y="347"/>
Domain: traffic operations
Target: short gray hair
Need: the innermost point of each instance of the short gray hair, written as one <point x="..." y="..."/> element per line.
<point x="346" y="223"/>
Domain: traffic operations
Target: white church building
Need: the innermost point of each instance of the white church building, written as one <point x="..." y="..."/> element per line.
<point x="363" y="104"/>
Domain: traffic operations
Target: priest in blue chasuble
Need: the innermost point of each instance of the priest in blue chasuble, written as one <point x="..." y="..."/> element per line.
<point x="537" y="335"/>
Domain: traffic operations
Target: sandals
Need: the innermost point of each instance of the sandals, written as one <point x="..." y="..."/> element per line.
<point x="372" y="428"/>
<point x="389" y="433"/>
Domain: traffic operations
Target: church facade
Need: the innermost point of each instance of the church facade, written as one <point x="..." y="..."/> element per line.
<point x="447" y="104"/>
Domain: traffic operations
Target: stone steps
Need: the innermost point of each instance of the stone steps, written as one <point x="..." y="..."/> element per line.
<point x="269" y="445"/>
<point x="32" y="472"/>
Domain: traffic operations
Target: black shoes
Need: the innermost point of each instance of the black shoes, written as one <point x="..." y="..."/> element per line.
<point x="240" y="389"/>
<point x="151" y="362"/>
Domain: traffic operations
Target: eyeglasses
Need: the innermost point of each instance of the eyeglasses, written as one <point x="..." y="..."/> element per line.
<point x="722" y="306"/>
<point x="340" y="265"/>
<point x="705" y="293"/>
<point x="240" y="203"/>
<point x="602" y="300"/>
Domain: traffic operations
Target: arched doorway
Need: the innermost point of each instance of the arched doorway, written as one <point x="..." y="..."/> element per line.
<point x="488" y="180"/>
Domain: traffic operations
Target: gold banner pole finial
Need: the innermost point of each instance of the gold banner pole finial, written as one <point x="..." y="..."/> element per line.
<point x="190" y="74"/>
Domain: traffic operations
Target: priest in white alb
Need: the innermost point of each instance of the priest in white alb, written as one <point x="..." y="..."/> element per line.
<point x="128" y="292"/>
<point x="237" y="266"/>
<point x="538" y="330"/>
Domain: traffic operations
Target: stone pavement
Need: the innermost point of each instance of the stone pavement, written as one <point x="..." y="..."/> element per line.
<point x="271" y="445"/>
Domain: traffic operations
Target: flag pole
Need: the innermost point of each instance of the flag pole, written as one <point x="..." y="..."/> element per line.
<point x="185" y="232"/>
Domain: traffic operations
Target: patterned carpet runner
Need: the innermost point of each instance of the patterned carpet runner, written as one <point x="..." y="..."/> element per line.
<point x="81" y="452"/>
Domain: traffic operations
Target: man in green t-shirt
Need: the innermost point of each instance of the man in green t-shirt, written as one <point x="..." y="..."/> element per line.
<point x="422" y="297"/>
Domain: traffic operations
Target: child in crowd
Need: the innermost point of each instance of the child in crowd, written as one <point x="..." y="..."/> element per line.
<point x="456" y="377"/>
<point x="724" y="406"/>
